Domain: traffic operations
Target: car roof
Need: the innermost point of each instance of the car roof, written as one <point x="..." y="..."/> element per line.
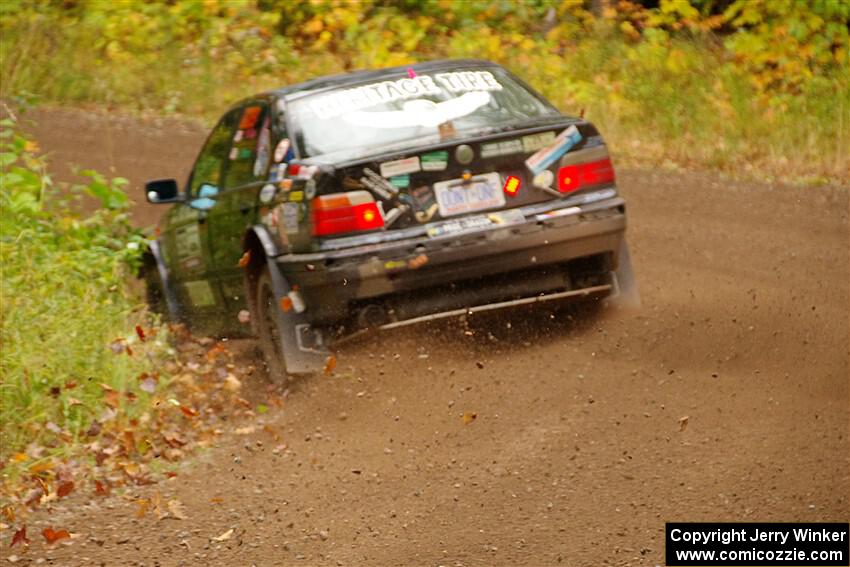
<point x="354" y="77"/>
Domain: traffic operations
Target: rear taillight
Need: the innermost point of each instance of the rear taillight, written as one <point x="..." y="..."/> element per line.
<point x="339" y="213"/>
<point x="573" y="177"/>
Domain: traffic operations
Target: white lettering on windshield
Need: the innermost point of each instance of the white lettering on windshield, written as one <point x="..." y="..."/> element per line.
<point x="352" y="100"/>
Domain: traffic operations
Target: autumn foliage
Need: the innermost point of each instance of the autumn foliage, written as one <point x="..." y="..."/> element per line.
<point x="757" y="85"/>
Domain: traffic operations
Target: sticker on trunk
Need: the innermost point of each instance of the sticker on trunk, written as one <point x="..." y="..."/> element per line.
<point x="459" y="225"/>
<point x="558" y="213"/>
<point x="548" y="155"/>
<point x="378" y="184"/>
<point x="400" y="167"/>
<point x="400" y="181"/>
<point x="535" y="142"/>
<point x="435" y="161"/>
<point x="504" y="148"/>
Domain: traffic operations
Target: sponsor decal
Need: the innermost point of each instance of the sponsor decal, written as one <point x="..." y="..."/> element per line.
<point x="285" y="184"/>
<point x="400" y="181"/>
<point x="234" y="153"/>
<point x="504" y="148"/>
<point x="281" y="149"/>
<point x="200" y="293"/>
<point x="400" y="167"/>
<point x="250" y="133"/>
<point x="547" y="156"/>
<point x="395" y="214"/>
<point x="237" y="137"/>
<point x="310" y="188"/>
<point x="378" y="184"/>
<point x="249" y="117"/>
<point x="395" y="265"/>
<point x="267" y="193"/>
<point x="306" y="172"/>
<point x="351" y="100"/>
<point x="535" y="142"/>
<point x="434" y="161"/>
<point x="278" y="172"/>
<point x="261" y="164"/>
<point x="290" y="217"/>
<point x="296" y="196"/>
<point x="509" y="217"/>
<point x="459" y="225"/>
<point x="424" y="203"/>
<point x="558" y="213"/>
<point x="544" y="179"/>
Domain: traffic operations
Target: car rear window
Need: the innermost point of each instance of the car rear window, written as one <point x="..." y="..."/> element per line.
<point x="415" y="109"/>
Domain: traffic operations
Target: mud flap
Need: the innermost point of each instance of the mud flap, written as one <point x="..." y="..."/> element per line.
<point x="302" y="346"/>
<point x="625" y="294"/>
<point x="171" y="302"/>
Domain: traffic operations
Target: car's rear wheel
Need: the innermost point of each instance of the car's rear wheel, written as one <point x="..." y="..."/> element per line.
<point x="267" y="318"/>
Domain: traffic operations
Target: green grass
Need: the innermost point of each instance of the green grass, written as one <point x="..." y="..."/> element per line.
<point x="65" y="302"/>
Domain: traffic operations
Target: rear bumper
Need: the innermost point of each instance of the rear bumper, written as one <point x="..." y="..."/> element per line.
<point x="420" y="275"/>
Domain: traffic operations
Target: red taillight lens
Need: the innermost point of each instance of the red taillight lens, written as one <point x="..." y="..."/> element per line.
<point x="512" y="184"/>
<point x="345" y="212"/>
<point x="572" y="177"/>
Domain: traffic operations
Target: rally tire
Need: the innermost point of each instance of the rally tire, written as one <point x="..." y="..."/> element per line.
<point x="267" y="320"/>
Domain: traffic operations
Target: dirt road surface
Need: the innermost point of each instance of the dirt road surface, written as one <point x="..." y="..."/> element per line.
<point x="724" y="399"/>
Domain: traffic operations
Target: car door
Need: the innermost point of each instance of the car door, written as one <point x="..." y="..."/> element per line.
<point x="245" y="173"/>
<point x="187" y="236"/>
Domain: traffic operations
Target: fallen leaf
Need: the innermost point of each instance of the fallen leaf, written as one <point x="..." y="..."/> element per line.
<point x="65" y="488"/>
<point x="33" y="497"/>
<point x="176" y="510"/>
<point x="94" y="429"/>
<point x="53" y="536"/>
<point x="74" y="402"/>
<point x="148" y="385"/>
<point x="143" y="507"/>
<point x="245" y="430"/>
<point x="245" y="259"/>
<point x="468" y="417"/>
<point x="41" y="467"/>
<point x="262" y="408"/>
<point x="216" y="500"/>
<point x="285" y="303"/>
<point x="8" y="512"/>
<point x="188" y="412"/>
<point x="20" y="457"/>
<point x="101" y="488"/>
<point x="330" y="364"/>
<point x="140" y="332"/>
<point x="225" y="536"/>
<point x="70" y="385"/>
<point x="683" y="422"/>
<point x="232" y="383"/>
<point x="20" y="537"/>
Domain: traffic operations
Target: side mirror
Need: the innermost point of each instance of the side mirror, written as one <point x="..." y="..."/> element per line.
<point x="162" y="191"/>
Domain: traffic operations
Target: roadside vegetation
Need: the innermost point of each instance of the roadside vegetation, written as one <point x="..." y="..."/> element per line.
<point x="95" y="393"/>
<point x="754" y="86"/>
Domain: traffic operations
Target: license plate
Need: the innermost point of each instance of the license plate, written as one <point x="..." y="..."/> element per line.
<point x="456" y="197"/>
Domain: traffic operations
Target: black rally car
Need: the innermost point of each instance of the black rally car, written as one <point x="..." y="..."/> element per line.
<point x="376" y="199"/>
